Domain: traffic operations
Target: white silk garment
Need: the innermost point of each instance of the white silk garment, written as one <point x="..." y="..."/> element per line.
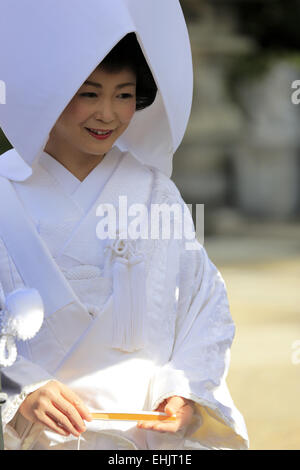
<point x="36" y="97"/>
<point x="180" y="341"/>
<point x="187" y="321"/>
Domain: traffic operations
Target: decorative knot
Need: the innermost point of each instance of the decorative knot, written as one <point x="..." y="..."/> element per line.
<point x="129" y="293"/>
<point x="125" y="250"/>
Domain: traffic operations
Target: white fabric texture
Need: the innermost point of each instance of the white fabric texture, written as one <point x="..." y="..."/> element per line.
<point x="186" y="325"/>
<point x="188" y="334"/>
<point x="39" y="90"/>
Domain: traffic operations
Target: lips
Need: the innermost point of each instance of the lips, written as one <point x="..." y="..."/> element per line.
<point x="99" y="134"/>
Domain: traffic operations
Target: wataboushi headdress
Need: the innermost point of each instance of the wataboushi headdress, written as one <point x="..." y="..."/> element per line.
<point x="47" y="50"/>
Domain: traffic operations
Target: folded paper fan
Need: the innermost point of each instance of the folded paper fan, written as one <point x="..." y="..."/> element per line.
<point x="135" y="416"/>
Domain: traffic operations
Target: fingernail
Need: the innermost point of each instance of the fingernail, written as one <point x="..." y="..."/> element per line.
<point x="80" y="429"/>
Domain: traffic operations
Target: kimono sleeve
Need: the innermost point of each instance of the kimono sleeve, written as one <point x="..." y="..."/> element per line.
<point x="18" y="381"/>
<point x="24" y="376"/>
<point x="200" y="358"/>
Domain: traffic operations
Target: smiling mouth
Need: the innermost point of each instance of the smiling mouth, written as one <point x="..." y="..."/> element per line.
<point x="99" y="131"/>
<point x="99" y="134"/>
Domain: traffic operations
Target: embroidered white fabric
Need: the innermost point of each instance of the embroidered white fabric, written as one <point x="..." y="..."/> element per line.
<point x="196" y="271"/>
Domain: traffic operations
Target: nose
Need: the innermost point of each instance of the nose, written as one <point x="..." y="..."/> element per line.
<point x="105" y="111"/>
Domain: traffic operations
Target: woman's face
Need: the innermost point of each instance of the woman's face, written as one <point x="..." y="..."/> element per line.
<point x="98" y="114"/>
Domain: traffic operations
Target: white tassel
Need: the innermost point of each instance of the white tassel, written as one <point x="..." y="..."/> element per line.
<point x="122" y="332"/>
<point x="138" y="298"/>
<point x="129" y="294"/>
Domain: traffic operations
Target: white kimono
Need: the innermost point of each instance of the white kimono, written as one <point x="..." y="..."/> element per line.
<point x="188" y="328"/>
<point x="179" y="341"/>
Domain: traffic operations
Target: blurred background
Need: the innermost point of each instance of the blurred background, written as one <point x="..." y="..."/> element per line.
<point x="240" y="157"/>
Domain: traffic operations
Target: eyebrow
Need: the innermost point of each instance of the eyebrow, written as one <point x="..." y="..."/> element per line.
<point x="118" y="87"/>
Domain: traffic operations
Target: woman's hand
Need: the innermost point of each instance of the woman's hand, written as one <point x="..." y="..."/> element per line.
<point x="57" y="407"/>
<point x="182" y="407"/>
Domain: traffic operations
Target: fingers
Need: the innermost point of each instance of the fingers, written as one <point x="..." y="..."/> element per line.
<point x="53" y="425"/>
<point x="179" y="406"/>
<point x="62" y="423"/>
<point x="57" y="407"/>
<point x="68" y="416"/>
<point x="160" y="426"/>
<point x="72" y="398"/>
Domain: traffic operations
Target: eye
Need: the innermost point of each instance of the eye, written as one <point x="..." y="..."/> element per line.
<point x="88" y="94"/>
<point x="125" y="96"/>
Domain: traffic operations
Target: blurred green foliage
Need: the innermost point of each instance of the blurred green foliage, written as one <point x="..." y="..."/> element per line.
<point x="4" y="143"/>
<point x="273" y="23"/>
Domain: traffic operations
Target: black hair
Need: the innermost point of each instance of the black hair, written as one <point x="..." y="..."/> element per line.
<point x="128" y="54"/>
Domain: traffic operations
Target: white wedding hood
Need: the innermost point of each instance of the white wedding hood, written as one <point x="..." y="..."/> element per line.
<point x="49" y="48"/>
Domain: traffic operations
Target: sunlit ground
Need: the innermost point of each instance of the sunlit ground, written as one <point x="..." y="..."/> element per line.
<point x="262" y="273"/>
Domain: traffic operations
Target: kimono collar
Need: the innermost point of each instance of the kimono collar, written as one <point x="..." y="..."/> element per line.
<point x="55" y="61"/>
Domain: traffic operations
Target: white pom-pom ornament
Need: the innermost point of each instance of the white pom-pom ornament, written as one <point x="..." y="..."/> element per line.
<point x="24" y="313"/>
<point x="22" y="317"/>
